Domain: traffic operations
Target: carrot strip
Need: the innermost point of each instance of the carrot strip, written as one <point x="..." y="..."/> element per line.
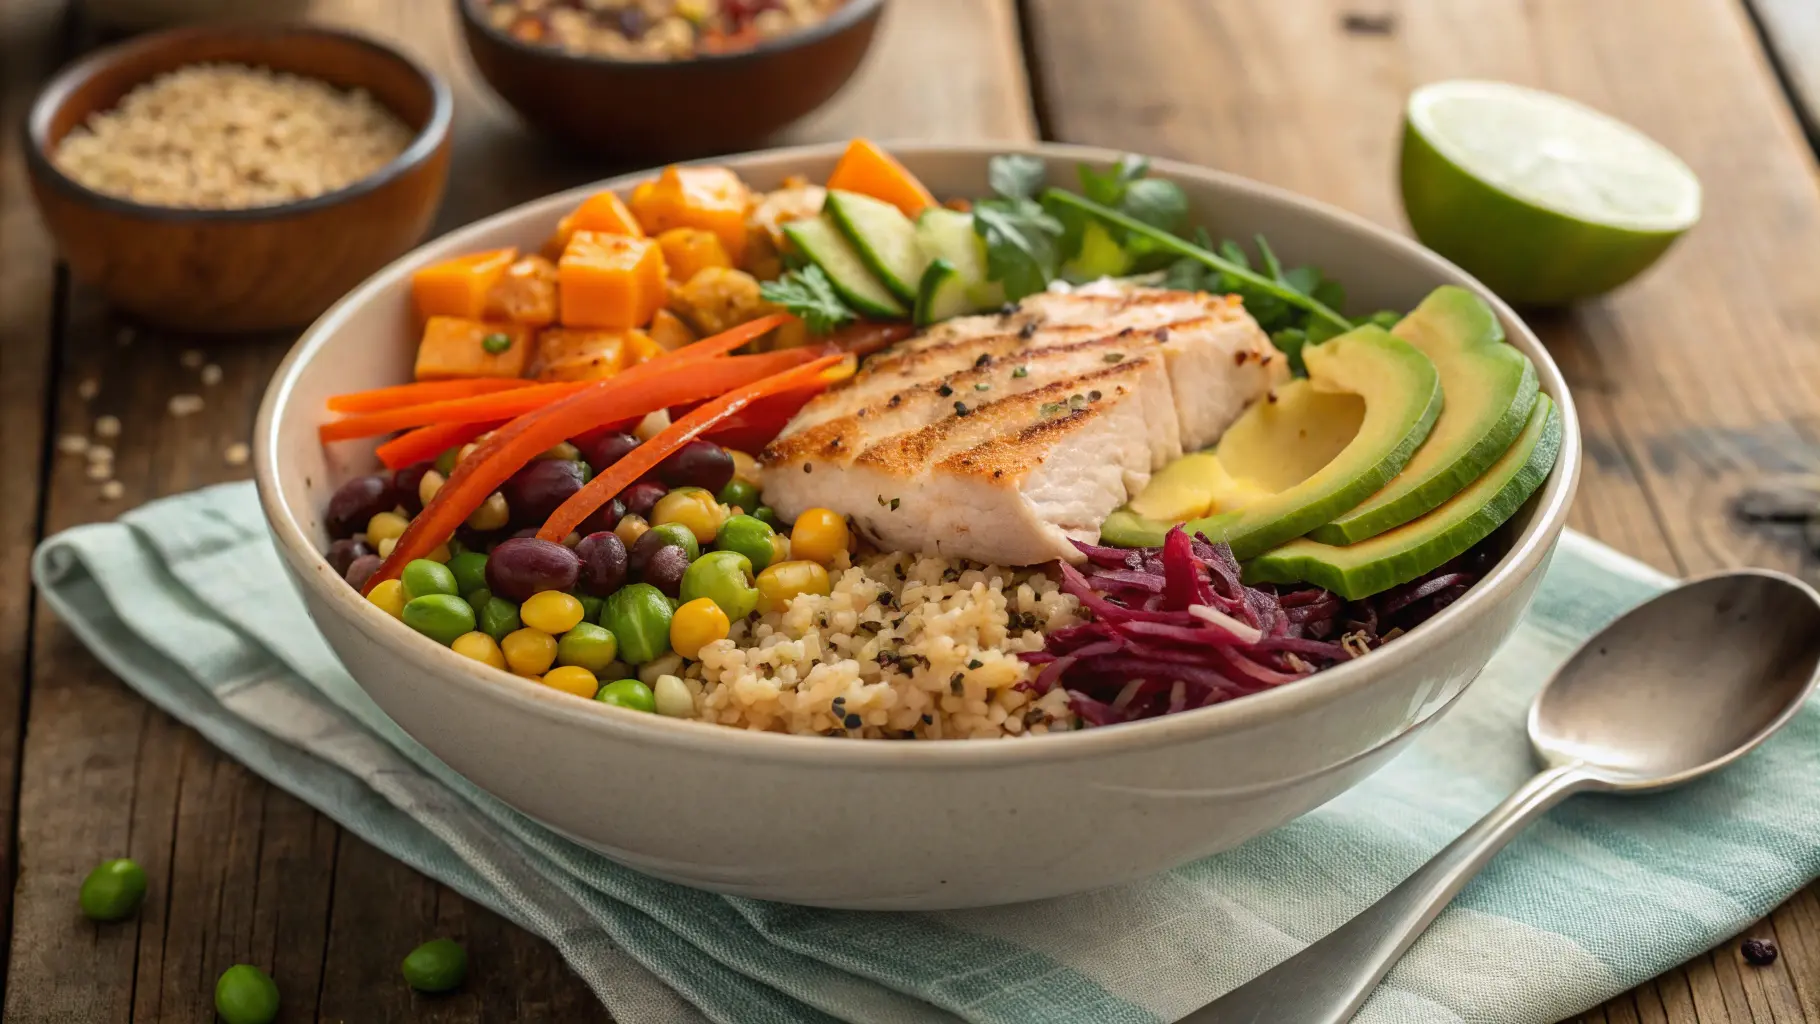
<point x="611" y="480"/>
<point x="501" y="405"/>
<point x="400" y="395"/>
<point x="429" y="442"/>
<point x="686" y="374"/>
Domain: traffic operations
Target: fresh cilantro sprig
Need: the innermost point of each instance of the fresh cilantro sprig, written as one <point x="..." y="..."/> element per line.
<point x="807" y="294"/>
<point x="1023" y="241"/>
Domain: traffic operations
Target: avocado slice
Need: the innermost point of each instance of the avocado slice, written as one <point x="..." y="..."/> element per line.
<point x="1490" y="389"/>
<point x="1317" y="447"/>
<point x="1193" y="486"/>
<point x="1425" y="544"/>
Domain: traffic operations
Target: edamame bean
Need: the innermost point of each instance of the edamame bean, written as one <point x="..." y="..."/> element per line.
<point x="470" y="569"/>
<point x="423" y="577"/>
<point x="588" y="646"/>
<point x="639" y="617"/>
<point x="748" y="536"/>
<point x="113" y="891"/>
<point x="740" y="493"/>
<point x="724" y="577"/>
<point x="628" y="693"/>
<point x="436" y="966"/>
<point x="246" y="995"/>
<point x="499" y="618"/>
<point x="441" y="617"/>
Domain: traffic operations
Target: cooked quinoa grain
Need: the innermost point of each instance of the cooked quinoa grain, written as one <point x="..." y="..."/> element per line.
<point x="903" y="646"/>
<point x="227" y="136"/>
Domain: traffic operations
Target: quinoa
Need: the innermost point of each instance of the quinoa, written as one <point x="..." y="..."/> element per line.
<point x="228" y="136"/>
<point x="904" y="646"/>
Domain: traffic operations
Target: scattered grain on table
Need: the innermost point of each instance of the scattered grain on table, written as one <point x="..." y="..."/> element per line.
<point x="88" y="389"/>
<point x="107" y="426"/>
<point x="211" y="375"/>
<point x="185" y="405"/>
<point x="228" y="136"/>
<point x="100" y="453"/>
<point x="237" y="454"/>
<point x="100" y="470"/>
<point x="72" y="444"/>
<point x="112" y="490"/>
<point x="191" y="358"/>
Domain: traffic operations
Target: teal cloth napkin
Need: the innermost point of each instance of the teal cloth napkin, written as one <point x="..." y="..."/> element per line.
<point x="185" y="599"/>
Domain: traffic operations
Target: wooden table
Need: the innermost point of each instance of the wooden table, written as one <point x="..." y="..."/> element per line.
<point x="1699" y="376"/>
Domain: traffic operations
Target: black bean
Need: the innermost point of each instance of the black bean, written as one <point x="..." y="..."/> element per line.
<point x="355" y="502"/>
<point x="524" y="566"/>
<point x="603" y="563"/>
<point x="343" y="552"/>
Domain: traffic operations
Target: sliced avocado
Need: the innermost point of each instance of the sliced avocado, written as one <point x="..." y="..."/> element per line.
<point x="1317" y="447"/>
<point x="884" y="238"/>
<point x="1424" y="545"/>
<point x="1490" y="389"/>
<point x="828" y="249"/>
<point x="948" y="234"/>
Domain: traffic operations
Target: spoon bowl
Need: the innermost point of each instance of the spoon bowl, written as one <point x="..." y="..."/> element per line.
<point x="1684" y="684"/>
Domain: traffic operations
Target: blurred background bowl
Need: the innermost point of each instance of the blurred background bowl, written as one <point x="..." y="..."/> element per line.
<point x="255" y="268"/>
<point x="661" y="110"/>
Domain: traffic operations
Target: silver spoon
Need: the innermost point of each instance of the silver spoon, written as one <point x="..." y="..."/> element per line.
<point x="1678" y="687"/>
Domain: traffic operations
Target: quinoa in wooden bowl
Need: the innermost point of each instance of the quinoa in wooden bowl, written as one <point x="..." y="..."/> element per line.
<point x="238" y="178"/>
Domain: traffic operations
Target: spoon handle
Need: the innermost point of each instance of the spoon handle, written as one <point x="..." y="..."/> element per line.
<point x="1327" y="982"/>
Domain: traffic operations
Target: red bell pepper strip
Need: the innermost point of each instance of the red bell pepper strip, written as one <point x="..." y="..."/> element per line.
<point x="429" y="442"/>
<point x="686" y="374"/>
<point x="400" y="395"/>
<point x="609" y="481"/>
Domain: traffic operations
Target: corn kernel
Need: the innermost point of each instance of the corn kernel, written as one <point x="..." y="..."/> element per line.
<point x="552" y="611"/>
<point x="427" y="487"/>
<point x="385" y="547"/>
<point x="529" y="652"/>
<point x="630" y="528"/>
<point x="440" y="553"/>
<point x="819" y="535"/>
<point x="696" y="625"/>
<point x="480" y="647"/>
<point x="385" y="525"/>
<point x="389" y="596"/>
<point x="573" y="679"/>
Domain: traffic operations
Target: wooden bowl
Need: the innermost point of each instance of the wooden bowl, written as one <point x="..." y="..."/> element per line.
<point x="660" y="110"/>
<point x="259" y="268"/>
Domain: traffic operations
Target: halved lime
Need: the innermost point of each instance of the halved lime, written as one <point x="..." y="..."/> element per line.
<point x="1543" y="199"/>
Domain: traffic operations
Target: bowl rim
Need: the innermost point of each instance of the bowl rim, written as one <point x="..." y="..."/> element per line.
<point x="850" y="14"/>
<point x="1526" y="556"/>
<point x="55" y="93"/>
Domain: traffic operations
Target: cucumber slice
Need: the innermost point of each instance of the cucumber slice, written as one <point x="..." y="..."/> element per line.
<point x="884" y="237"/>
<point x="941" y="295"/>
<point x="828" y="249"/>
<point x="949" y="235"/>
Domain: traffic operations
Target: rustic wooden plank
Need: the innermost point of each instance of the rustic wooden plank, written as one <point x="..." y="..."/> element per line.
<point x="1792" y="29"/>
<point x="30" y="38"/>
<point x="1693" y="380"/>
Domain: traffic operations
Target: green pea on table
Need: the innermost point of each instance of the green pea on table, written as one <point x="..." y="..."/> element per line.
<point x="246" y="995"/>
<point x="113" y="890"/>
<point x="436" y="966"/>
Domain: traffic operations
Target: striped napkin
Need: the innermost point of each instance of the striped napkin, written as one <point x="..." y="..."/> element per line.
<point x="185" y="599"/>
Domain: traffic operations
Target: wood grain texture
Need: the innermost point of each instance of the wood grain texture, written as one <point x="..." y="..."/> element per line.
<point x="241" y="872"/>
<point x="1696" y="378"/>
<point x="1792" y="30"/>
<point x="30" y="35"/>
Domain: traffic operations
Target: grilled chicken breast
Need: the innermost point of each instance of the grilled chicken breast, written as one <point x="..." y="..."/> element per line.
<point x="999" y="437"/>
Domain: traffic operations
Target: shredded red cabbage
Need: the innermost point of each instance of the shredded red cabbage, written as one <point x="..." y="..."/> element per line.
<point x="1173" y="628"/>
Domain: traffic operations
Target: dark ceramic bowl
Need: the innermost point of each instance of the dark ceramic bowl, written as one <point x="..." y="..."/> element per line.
<point x="656" y="110"/>
<point x="257" y="268"/>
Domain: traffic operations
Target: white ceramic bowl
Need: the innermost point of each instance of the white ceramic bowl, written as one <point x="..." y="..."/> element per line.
<point x="897" y="825"/>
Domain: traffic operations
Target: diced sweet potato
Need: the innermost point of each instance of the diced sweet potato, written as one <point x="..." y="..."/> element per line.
<point x="581" y="353"/>
<point x="459" y="287"/>
<point x="716" y="299"/>
<point x="669" y="331"/>
<point x="602" y="211"/>
<point x="525" y="293"/>
<point x="710" y="198"/>
<point x="459" y="347"/>
<point x="640" y="347"/>
<point x="870" y="171"/>
<point x="610" y="280"/>
<point x="687" y="250"/>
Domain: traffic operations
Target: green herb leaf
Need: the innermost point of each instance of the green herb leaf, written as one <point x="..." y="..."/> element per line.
<point x="1022" y="244"/>
<point x="1157" y="202"/>
<point x="1015" y="175"/>
<point x="1109" y="186"/>
<point x="808" y="295"/>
